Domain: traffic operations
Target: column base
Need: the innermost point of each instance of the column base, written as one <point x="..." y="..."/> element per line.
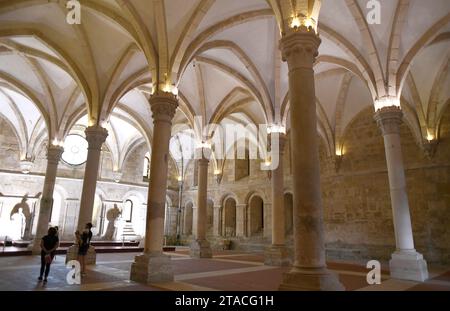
<point x="90" y="259"/>
<point x="35" y="248"/>
<point x="310" y="280"/>
<point x="277" y="255"/>
<point x="408" y="265"/>
<point x="154" y="267"/>
<point x="200" y="249"/>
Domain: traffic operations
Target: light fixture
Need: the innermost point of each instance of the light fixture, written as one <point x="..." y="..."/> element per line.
<point x="217" y="172"/>
<point x="339" y="153"/>
<point x="299" y="21"/>
<point x="180" y="178"/>
<point x="386" y="102"/>
<point x="295" y="22"/>
<point x="57" y="143"/>
<point x="117" y="176"/>
<point x="430" y="136"/>
<point x="276" y="128"/>
<point x="25" y="166"/>
<point x="203" y="145"/>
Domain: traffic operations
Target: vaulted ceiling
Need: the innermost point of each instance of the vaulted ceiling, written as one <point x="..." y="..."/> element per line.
<point x="223" y="57"/>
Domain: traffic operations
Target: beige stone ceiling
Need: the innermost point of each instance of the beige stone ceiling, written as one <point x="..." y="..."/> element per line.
<point x="222" y="55"/>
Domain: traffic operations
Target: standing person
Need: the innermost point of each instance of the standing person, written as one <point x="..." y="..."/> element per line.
<point x="85" y="241"/>
<point x="49" y="244"/>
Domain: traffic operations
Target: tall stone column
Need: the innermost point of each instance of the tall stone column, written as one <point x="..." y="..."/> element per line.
<point x="405" y="262"/>
<point x="277" y="254"/>
<point x="200" y="247"/>
<point x="96" y="136"/>
<point x="241" y="219"/>
<point x="45" y="210"/>
<point x="299" y="48"/>
<point x="217" y="220"/>
<point x="153" y="266"/>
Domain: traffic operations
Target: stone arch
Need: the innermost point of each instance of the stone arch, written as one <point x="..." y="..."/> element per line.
<point x="58" y="206"/>
<point x="229" y="214"/>
<point x="255" y="216"/>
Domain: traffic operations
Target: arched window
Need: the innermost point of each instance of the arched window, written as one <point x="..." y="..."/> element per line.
<point x="146" y="169"/>
<point x="128" y="211"/>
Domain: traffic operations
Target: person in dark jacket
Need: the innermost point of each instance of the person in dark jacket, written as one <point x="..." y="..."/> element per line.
<point x="84" y="243"/>
<point x="49" y="244"/>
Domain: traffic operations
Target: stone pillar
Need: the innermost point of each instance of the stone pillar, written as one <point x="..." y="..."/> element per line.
<point x="200" y="247"/>
<point x="96" y="136"/>
<point x="217" y="220"/>
<point x="299" y="48"/>
<point x="153" y="266"/>
<point x="405" y="262"/>
<point x="53" y="156"/>
<point x="241" y="219"/>
<point x="277" y="253"/>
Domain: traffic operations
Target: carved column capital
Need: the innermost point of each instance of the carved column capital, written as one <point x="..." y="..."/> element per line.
<point x="96" y="136"/>
<point x="203" y="155"/>
<point x="54" y="154"/>
<point x="300" y="48"/>
<point x="164" y="106"/>
<point x="389" y="119"/>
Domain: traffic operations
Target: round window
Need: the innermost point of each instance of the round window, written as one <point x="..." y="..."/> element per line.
<point x="75" y="150"/>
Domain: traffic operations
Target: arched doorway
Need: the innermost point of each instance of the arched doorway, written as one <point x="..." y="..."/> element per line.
<point x="289" y="213"/>
<point x="210" y="217"/>
<point x="229" y="218"/>
<point x="255" y="216"/>
<point x="188" y="218"/>
<point x="56" y="209"/>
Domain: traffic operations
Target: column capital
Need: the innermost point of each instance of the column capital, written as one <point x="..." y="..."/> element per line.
<point x="54" y="154"/>
<point x="389" y="119"/>
<point x="163" y="105"/>
<point x="203" y="155"/>
<point x="300" y="48"/>
<point x="96" y="136"/>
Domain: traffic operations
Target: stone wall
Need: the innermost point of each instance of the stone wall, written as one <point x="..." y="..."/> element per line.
<point x="356" y="200"/>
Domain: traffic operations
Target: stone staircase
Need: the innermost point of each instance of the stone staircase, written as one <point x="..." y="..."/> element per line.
<point x="128" y="233"/>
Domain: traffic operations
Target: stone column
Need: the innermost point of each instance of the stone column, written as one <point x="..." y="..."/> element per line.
<point x="405" y="262"/>
<point x="96" y="136"/>
<point x="277" y="254"/>
<point x="217" y="220"/>
<point x="45" y="210"/>
<point x="299" y="48"/>
<point x="153" y="266"/>
<point x="241" y="219"/>
<point x="200" y="247"/>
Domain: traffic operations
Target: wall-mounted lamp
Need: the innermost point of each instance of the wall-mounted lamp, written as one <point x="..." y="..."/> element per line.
<point x="430" y="145"/>
<point x="26" y="166"/>
<point x="117" y="176"/>
<point x="337" y="159"/>
<point x="218" y="175"/>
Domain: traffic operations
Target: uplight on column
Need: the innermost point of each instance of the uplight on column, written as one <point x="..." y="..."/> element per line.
<point x="276" y="128"/>
<point x="386" y="102"/>
<point x="297" y="22"/>
<point x="57" y="143"/>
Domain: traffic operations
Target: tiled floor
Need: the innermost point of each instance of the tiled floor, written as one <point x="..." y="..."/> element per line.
<point x="227" y="271"/>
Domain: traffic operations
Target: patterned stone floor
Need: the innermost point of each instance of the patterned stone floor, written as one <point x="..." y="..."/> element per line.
<point x="226" y="271"/>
